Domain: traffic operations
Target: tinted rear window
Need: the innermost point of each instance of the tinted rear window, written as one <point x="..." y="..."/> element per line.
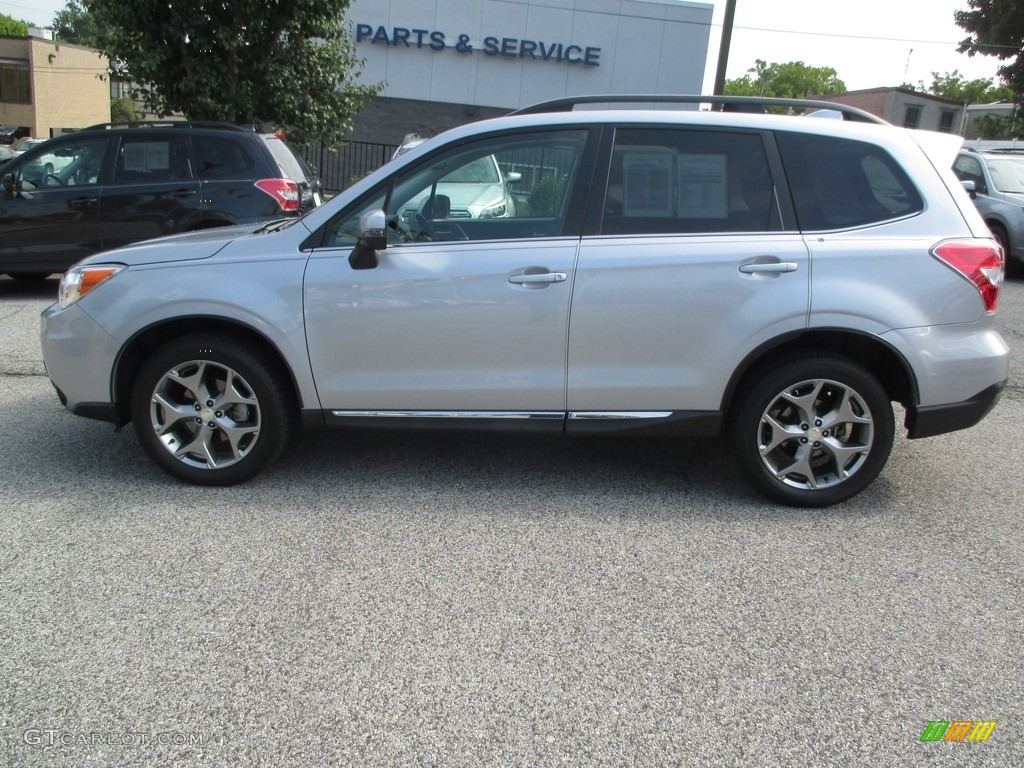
<point x="840" y="183"/>
<point x="220" y="158"/>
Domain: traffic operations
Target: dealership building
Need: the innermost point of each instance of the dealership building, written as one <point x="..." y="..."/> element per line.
<point x="448" y="62"/>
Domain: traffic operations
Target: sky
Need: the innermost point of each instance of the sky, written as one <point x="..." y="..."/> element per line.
<point x="870" y="43"/>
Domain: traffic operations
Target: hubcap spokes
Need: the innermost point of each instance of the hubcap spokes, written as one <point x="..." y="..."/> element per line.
<point x="815" y="434"/>
<point x="205" y="414"/>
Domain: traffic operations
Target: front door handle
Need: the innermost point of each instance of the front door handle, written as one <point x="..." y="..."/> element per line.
<point x="82" y="202"/>
<point x="771" y="266"/>
<point x="534" y="279"/>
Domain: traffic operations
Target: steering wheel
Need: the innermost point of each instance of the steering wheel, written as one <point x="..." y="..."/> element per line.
<point x="56" y="179"/>
<point x="424" y="227"/>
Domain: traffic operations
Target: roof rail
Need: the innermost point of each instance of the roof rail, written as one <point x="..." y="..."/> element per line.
<point x="726" y="103"/>
<point x="1005" y="151"/>
<point x="164" y="124"/>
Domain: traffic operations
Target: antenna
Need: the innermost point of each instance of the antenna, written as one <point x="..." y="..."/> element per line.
<point x="907" y="68"/>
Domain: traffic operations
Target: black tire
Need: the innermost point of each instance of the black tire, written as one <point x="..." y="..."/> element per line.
<point x="199" y="429"/>
<point x="812" y="431"/>
<point x="1014" y="268"/>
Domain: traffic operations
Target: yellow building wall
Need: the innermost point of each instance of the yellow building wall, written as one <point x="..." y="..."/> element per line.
<point x="70" y="87"/>
<point x="66" y="86"/>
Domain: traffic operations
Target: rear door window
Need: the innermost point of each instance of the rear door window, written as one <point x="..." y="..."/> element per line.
<point x="688" y="181"/>
<point x="841" y="183"/>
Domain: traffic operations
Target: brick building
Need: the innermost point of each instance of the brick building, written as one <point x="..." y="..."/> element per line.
<point x="906" y="107"/>
<point x="49" y="87"/>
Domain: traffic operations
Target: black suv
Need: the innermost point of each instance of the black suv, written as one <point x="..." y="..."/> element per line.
<point x="114" y="184"/>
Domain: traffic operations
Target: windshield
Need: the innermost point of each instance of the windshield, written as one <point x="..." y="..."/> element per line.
<point x="481" y="171"/>
<point x="1007" y="174"/>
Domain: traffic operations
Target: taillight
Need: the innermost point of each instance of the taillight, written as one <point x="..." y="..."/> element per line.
<point x="980" y="261"/>
<point x="284" y="191"/>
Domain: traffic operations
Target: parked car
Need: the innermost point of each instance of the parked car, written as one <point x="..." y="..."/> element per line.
<point x="664" y="286"/>
<point x="998" y="178"/>
<point x="23" y="145"/>
<point x="476" y="190"/>
<point x="114" y="184"/>
<point x="11" y="133"/>
<point x="6" y="153"/>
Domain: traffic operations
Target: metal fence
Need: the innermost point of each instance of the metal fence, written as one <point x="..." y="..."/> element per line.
<point x="341" y="167"/>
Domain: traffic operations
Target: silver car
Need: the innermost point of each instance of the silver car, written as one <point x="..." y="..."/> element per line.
<point x="775" y="280"/>
<point x="998" y="178"/>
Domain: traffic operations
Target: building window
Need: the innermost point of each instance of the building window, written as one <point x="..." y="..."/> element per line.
<point x="14" y="82"/>
<point x="946" y="121"/>
<point x="912" y="117"/>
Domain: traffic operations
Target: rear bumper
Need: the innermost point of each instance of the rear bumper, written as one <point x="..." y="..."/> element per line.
<point x="933" y="420"/>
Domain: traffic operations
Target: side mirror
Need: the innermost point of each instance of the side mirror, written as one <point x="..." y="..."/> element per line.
<point x="514" y="177"/>
<point x="971" y="187"/>
<point x="9" y="183"/>
<point x="372" y="238"/>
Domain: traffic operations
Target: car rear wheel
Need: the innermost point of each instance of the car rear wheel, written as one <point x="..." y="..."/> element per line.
<point x="212" y="410"/>
<point x="812" y="431"/>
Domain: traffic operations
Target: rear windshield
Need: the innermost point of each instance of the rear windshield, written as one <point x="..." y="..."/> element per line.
<point x="285" y="158"/>
<point x="840" y="183"/>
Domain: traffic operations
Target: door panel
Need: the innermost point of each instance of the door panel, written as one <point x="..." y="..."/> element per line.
<point x="689" y="270"/>
<point x="50" y="217"/>
<point x="661" y="323"/>
<point x="152" y="191"/>
<point x="440" y="326"/>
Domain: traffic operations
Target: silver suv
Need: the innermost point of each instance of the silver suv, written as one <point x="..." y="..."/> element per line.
<point x="776" y="280"/>
<point x="998" y="178"/>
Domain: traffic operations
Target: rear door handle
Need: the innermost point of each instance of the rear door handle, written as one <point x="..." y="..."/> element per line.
<point x="543" y="277"/>
<point x="183" y="193"/>
<point x="772" y="266"/>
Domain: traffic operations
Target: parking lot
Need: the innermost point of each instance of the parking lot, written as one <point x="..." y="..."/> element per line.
<point x="382" y="599"/>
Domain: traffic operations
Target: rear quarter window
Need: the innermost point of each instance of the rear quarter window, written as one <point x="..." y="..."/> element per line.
<point x="841" y="183"/>
<point x="221" y="158"/>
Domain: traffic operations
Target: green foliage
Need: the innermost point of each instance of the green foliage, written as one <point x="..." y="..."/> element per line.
<point x="996" y="28"/>
<point x="74" y="24"/>
<point x="789" y="80"/>
<point x="285" y="62"/>
<point x="956" y="87"/>
<point x="546" y="196"/>
<point x="12" y="27"/>
<point x="122" y="110"/>
<point x="999" y="127"/>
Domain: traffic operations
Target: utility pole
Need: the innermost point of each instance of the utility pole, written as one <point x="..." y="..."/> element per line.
<point x="723" y="51"/>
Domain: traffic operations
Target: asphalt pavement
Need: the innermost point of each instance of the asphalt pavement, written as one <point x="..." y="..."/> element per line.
<point x="380" y="599"/>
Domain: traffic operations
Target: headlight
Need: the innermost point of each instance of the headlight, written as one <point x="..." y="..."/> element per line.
<point x="494" y="212"/>
<point x="78" y="281"/>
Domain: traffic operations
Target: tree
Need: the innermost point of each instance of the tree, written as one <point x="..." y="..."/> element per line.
<point x="74" y="24"/>
<point x="997" y="29"/>
<point x="286" y="62"/>
<point x="12" y="27"/>
<point x="791" y="80"/>
<point x="122" y="110"/>
<point x="955" y="87"/>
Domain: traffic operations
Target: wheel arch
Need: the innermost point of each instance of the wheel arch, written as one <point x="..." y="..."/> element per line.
<point x="140" y="346"/>
<point x="882" y="360"/>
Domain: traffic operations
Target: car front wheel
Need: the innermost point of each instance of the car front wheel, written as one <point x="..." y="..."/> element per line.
<point x="813" y="431"/>
<point x="211" y="410"/>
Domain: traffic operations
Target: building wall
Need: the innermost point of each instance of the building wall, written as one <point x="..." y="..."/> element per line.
<point x="891" y="104"/>
<point x="491" y="56"/>
<point x="66" y="86"/>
